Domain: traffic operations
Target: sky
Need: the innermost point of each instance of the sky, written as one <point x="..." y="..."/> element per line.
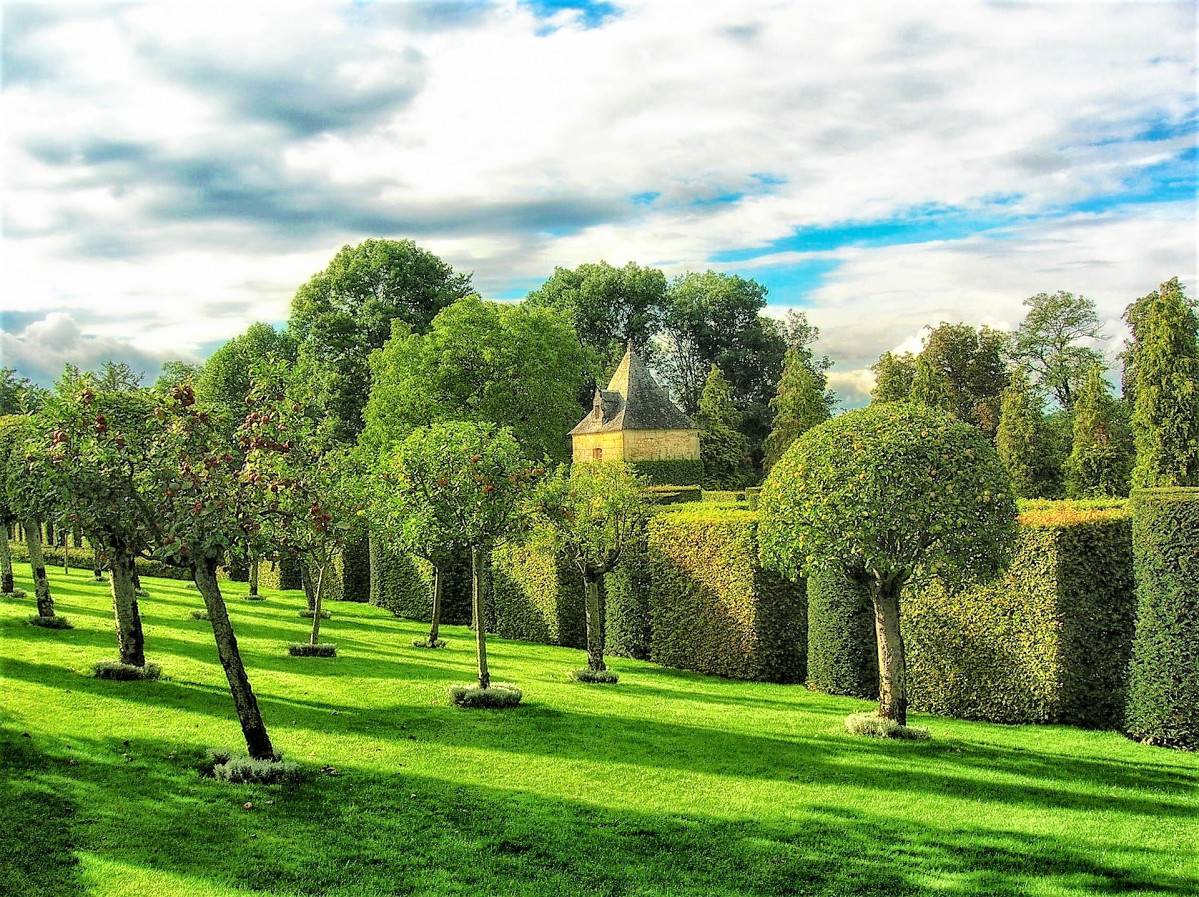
<point x="172" y="172"/>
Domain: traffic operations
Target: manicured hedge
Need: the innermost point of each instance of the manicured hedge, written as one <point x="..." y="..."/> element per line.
<point x="723" y="496"/>
<point x="403" y="583"/>
<point x="713" y="608"/>
<point x="751" y="497"/>
<point x="537" y="596"/>
<point x="628" y="605"/>
<point x="681" y="472"/>
<point x="675" y="495"/>
<point x="1163" y="694"/>
<point x="1047" y="642"/>
<point x="842" y="645"/>
<point x="355" y="569"/>
<point x="282" y="573"/>
<point x="82" y="558"/>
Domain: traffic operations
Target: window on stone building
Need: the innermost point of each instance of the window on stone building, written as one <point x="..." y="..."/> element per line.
<point x="597" y="454"/>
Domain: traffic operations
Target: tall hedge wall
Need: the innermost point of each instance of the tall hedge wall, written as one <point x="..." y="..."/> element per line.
<point x="842" y="645"/>
<point x="628" y="605"/>
<point x="1163" y="694"/>
<point x="537" y="596"/>
<point x="1047" y="642"/>
<point x="403" y="583"/>
<point x="713" y="608"/>
<point x="282" y="573"/>
<point x="680" y="472"/>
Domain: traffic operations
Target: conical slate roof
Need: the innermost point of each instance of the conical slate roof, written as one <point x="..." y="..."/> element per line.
<point x="632" y="401"/>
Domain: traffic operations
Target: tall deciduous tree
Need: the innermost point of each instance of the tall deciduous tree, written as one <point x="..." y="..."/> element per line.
<point x="1165" y="413"/>
<point x="227" y="377"/>
<point x="1101" y="459"/>
<point x="1020" y="437"/>
<point x="722" y="447"/>
<point x="608" y="307"/>
<point x="512" y="366"/>
<point x="197" y="510"/>
<point x="893" y="377"/>
<point x="593" y="516"/>
<point x="472" y="481"/>
<point x="881" y="494"/>
<point x="99" y="439"/>
<point x="346" y="311"/>
<point x="715" y="319"/>
<point x="803" y="401"/>
<point x="28" y="496"/>
<point x="1050" y="343"/>
<point x="969" y="366"/>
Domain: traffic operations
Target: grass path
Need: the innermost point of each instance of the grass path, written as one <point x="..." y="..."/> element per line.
<point x="669" y="783"/>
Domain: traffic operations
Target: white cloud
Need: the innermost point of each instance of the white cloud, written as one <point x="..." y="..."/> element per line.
<point x="175" y="171"/>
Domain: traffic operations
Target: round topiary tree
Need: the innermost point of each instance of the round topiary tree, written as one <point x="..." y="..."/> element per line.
<point x="594" y="515"/>
<point x="884" y="494"/>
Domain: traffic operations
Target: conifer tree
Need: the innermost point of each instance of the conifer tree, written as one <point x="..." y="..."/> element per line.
<point x="1020" y="437"/>
<point x="929" y="387"/>
<point x="722" y="447"/>
<point x="1165" y="415"/>
<point x="803" y="401"/>
<point x="1101" y="460"/>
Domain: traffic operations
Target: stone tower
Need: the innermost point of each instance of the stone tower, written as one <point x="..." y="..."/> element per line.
<point x="634" y="420"/>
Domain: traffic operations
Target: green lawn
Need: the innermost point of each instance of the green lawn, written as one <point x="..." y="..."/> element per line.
<point x="669" y="783"/>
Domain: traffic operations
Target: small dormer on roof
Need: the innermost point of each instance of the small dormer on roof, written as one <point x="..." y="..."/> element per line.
<point x="632" y="401"/>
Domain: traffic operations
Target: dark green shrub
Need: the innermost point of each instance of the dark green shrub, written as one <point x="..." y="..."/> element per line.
<point x="628" y="615"/>
<point x="258" y="597"/>
<point x="54" y="622"/>
<point x="1048" y="641"/>
<point x="356" y="571"/>
<point x="594" y="677"/>
<point x="675" y="495"/>
<point x="713" y="607"/>
<point x="537" y="596"/>
<point x="498" y="695"/>
<point x="198" y="615"/>
<point x="308" y="614"/>
<point x="679" y="472"/>
<point x="282" y="573"/>
<point x="125" y="672"/>
<point x="403" y="584"/>
<point x="1163" y="692"/>
<point x="303" y="649"/>
<point x="425" y="643"/>
<point x="15" y="593"/>
<point x="842" y="644"/>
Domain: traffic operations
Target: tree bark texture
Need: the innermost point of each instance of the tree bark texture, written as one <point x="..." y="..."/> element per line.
<point x="476" y="595"/>
<point x="594" y="604"/>
<point x="41" y="585"/>
<point x="131" y="643"/>
<point x="66" y="555"/>
<point x="435" y="626"/>
<point x="892" y="667"/>
<point x="97" y="564"/>
<point x="316" y="602"/>
<point x="6" y="580"/>
<point x="257" y="741"/>
<point x="306" y="582"/>
<point x="254" y="576"/>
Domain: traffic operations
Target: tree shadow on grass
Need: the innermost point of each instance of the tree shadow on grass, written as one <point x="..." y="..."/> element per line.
<point x="371" y="831"/>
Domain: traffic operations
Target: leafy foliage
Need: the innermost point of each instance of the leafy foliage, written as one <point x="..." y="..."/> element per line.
<point x="1048" y="343"/>
<point x="1101" y="460"/>
<point x="803" y="401"/>
<point x="723" y="449"/>
<point x="1020" y="438"/>
<point x="872" y="725"/>
<point x="1163" y="690"/>
<point x="893" y="377"/>
<point x="675" y="472"/>
<point x="1165" y="413"/>
<point x="608" y="306"/>
<point x="842" y="646"/>
<point x="348" y="310"/>
<point x="511" y="366"/>
<point x="893" y="489"/>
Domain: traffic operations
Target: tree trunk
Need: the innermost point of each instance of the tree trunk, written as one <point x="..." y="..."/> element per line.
<point x="41" y="585"/>
<point x="130" y="642"/>
<point x="316" y="602"/>
<point x="254" y="576"/>
<point x="306" y="582"/>
<point x="595" y="620"/>
<point x="476" y="594"/>
<point x="137" y="578"/>
<point x="375" y="567"/>
<point x="257" y="741"/>
<point x="892" y="667"/>
<point x="6" y="581"/>
<point x="436" y="625"/>
<point x="66" y="555"/>
<point x="97" y="563"/>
